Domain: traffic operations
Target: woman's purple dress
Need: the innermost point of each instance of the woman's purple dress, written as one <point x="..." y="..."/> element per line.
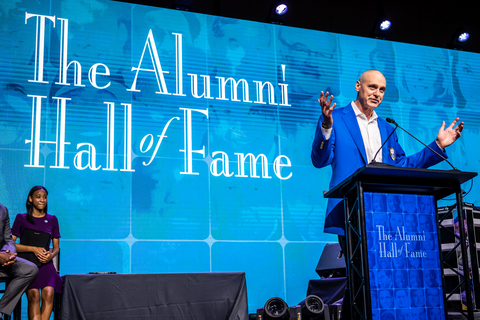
<point x="47" y="275"/>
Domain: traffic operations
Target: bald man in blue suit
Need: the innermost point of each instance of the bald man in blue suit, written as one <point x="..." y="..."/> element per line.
<point x="348" y="138"/>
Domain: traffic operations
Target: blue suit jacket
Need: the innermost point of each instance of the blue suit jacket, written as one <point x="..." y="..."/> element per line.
<point x="345" y="152"/>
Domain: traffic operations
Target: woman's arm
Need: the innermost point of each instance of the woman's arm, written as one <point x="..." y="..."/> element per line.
<point x="56" y="247"/>
<point x="46" y="256"/>
<point x="23" y="248"/>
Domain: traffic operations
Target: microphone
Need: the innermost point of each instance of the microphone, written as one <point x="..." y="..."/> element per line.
<point x="390" y="120"/>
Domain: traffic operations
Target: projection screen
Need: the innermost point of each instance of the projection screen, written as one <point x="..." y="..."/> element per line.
<point x="172" y="141"/>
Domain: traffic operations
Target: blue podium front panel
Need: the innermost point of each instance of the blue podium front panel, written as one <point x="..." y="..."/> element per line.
<point x="403" y="256"/>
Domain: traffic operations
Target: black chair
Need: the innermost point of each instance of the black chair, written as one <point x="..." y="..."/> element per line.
<point x="17" y="312"/>
<point x="57" y="300"/>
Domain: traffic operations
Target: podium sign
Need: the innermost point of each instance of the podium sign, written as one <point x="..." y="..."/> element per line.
<point x="392" y="245"/>
<point x="403" y="256"/>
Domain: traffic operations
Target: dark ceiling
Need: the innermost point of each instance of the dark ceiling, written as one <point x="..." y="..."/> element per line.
<point x="418" y="22"/>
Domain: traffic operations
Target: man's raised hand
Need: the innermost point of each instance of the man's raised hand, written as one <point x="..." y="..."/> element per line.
<point x="446" y="137"/>
<point x="327" y="109"/>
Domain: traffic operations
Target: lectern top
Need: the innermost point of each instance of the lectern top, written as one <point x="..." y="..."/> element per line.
<point x="387" y="178"/>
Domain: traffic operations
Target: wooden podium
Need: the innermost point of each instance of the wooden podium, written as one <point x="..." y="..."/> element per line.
<point x="394" y="260"/>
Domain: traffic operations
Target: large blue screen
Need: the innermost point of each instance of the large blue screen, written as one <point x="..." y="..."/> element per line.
<point x="172" y="141"/>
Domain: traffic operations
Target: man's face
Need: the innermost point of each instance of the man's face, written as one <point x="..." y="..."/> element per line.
<point x="423" y="205"/>
<point x="410" y="204"/>
<point x="384" y="280"/>
<point x="396" y="221"/>
<point x="237" y="46"/>
<point x="420" y="79"/>
<point x="415" y="278"/>
<point x="378" y="203"/>
<point x="401" y="299"/>
<point x="468" y="80"/>
<point x="393" y="204"/>
<point x="400" y="279"/>
<point x="430" y="278"/>
<point x="425" y="223"/>
<point x="418" y="314"/>
<point x="386" y="299"/>
<point x="415" y="262"/>
<point x="418" y="298"/>
<point x="309" y="62"/>
<point x="429" y="243"/>
<point x="410" y="223"/>
<point x="384" y="263"/>
<point x="399" y="262"/>
<point x="370" y="88"/>
<point x="430" y="261"/>
<point x="433" y="298"/>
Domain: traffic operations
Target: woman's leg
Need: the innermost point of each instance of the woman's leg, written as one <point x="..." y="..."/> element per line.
<point x="33" y="296"/>
<point x="47" y="302"/>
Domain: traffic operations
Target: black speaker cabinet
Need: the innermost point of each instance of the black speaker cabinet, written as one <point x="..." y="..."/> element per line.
<point x="332" y="262"/>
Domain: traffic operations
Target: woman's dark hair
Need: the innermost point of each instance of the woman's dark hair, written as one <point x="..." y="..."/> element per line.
<point x="29" y="204"/>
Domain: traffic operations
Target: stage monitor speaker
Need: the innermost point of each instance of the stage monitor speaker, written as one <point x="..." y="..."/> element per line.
<point x="332" y="262"/>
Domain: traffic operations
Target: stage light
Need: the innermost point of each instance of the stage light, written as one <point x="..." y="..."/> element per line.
<point x="381" y="27"/>
<point x="463" y="37"/>
<point x="276" y="308"/>
<point x="281" y="9"/>
<point x="313" y="308"/>
<point x="278" y="11"/>
<point x="460" y="38"/>
<point x="385" y="25"/>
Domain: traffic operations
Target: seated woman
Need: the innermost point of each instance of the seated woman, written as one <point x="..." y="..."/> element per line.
<point x="48" y="281"/>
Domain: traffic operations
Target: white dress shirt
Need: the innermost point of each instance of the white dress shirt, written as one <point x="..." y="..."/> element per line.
<point x="370" y="134"/>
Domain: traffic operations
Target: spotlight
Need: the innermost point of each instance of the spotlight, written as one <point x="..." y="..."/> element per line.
<point x="381" y="28"/>
<point x="463" y="37"/>
<point x="385" y="25"/>
<point x="460" y="37"/>
<point x="281" y="9"/>
<point x="275" y="308"/>
<point x="313" y="308"/>
<point x="278" y="12"/>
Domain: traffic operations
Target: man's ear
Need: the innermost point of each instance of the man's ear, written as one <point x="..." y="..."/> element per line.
<point x="357" y="85"/>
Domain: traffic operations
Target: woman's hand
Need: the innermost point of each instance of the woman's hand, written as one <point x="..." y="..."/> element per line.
<point x="43" y="255"/>
<point x="37" y="251"/>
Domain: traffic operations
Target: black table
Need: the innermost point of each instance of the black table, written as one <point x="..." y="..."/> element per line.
<point x="155" y="296"/>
